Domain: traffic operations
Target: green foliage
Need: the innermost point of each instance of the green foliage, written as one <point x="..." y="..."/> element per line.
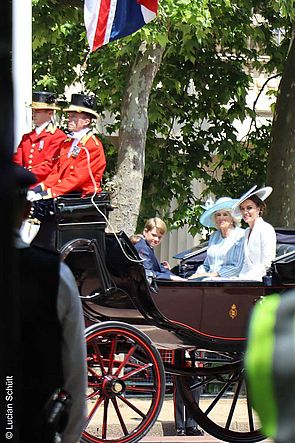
<point x="211" y="46"/>
<point x="286" y="8"/>
<point x="206" y="117"/>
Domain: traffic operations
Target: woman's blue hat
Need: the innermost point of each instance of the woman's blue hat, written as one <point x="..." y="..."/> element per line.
<point x="207" y="218"/>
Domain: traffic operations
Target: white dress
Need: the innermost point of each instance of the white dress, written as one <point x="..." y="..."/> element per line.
<point x="259" y="250"/>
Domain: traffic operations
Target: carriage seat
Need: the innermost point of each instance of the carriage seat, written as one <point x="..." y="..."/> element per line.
<point x="73" y="217"/>
<point x="284" y="248"/>
<point x="283" y="266"/>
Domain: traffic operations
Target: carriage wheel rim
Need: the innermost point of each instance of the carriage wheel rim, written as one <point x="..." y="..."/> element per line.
<point x="215" y="429"/>
<point x="109" y="385"/>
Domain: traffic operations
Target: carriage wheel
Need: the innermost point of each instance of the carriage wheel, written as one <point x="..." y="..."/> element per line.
<point x="126" y="383"/>
<point x="224" y="410"/>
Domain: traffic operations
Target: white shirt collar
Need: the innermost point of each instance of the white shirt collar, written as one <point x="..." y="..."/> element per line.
<point x="40" y="128"/>
<point x="76" y="136"/>
<point x="80" y="134"/>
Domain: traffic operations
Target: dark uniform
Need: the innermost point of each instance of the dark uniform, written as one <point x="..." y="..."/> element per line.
<point x="40" y="353"/>
<point x="41" y="338"/>
<point x="51" y="334"/>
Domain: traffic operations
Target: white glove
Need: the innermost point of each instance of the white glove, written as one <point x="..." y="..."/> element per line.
<point x="33" y="196"/>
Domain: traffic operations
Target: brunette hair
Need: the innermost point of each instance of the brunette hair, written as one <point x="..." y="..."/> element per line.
<point x="258" y="202"/>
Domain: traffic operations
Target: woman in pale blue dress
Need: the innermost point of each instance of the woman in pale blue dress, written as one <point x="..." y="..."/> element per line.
<point x="225" y="254"/>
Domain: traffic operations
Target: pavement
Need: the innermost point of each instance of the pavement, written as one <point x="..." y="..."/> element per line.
<point x="175" y="439"/>
<point x="163" y="431"/>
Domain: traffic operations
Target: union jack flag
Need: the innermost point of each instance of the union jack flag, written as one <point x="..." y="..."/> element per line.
<point x="108" y="20"/>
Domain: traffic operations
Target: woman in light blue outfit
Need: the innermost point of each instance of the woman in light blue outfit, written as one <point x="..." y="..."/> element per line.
<point x="225" y="254"/>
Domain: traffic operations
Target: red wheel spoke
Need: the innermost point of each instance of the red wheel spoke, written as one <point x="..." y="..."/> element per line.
<point x="120" y="360"/>
<point x="98" y="355"/>
<point x="147" y="389"/>
<point x="136" y="371"/>
<point x="93" y="394"/>
<point x="134" y="408"/>
<point x="123" y="363"/>
<point x="93" y="372"/>
<point x="112" y="355"/>
<point x="96" y="405"/>
<point x="122" y="423"/>
<point x="105" y="419"/>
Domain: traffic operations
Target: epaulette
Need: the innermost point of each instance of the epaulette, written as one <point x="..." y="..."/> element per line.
<point x="51" y="128"/>
<point x="86" y="137"/>
<point x="95" y="140"/>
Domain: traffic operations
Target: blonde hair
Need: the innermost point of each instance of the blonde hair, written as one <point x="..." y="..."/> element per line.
<point x="157" y="223"/>
<point x="135" y="238"/>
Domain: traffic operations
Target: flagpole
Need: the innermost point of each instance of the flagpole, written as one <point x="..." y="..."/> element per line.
<point x="22" y="66"/>
<point x="9" y="316"/>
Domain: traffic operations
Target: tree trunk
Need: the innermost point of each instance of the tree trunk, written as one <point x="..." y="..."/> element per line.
<point x="281" y="161"/>
<point x="128" y="181"/>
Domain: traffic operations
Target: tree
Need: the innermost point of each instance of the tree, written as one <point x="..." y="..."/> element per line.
<point x="194" y="72"/>
<point x="281" y="161"/>
<point x="132" y="136"/>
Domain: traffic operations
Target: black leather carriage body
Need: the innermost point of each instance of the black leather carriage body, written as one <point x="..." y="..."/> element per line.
<point x="74" y="209"/>
<point x="283" y="270"/>
<point x="283" y="266"/>
<point x="69" y="217"/>
<point x="78" y="217"/>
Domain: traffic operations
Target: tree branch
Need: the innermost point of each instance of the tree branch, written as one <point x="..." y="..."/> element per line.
<point x="255" y="103"/>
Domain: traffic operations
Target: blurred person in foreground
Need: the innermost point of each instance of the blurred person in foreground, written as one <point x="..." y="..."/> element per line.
<point x="53" y="349"/>
<point x="270" y="365"/>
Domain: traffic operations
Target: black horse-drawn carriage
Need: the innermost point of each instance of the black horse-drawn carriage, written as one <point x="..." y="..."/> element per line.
<point x="129" y="316"/>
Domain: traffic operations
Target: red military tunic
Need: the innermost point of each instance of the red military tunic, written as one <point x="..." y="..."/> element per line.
<point x="71" y="172"/>
<point x="38" y="153"/>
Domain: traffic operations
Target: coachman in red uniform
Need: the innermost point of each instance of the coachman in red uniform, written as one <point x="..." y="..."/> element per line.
<point x="82" y="162"/>
<point x="38" y="150"/>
